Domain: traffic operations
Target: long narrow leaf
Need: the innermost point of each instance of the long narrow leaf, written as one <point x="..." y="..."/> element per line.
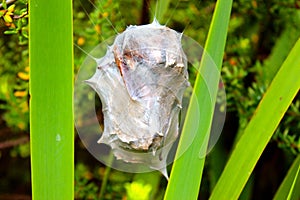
<point x="161" y="9"/>
<point x="260" y="129"/>
<point x="51" y="102"/>
<point x="289" y="188"/>
<point x="187" y="170"/>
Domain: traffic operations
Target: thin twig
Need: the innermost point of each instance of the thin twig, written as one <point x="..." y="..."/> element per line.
<point x="105" y="178"/>
<point x="14" y="142"/>
<point x="21" y="16"/>
<point x="7" y="2"/>
<point x="15" y="196"/>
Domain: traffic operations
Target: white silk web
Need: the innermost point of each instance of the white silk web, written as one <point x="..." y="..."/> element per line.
<point x="142" y="80"/>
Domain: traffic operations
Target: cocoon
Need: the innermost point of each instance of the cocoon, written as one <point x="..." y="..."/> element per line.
<point x="141" y="81"/>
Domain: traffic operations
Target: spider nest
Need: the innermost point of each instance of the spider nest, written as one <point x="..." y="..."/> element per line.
<point x="141" y="81"/>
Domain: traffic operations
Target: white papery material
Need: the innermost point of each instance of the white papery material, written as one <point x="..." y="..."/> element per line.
<point x="141" y="81"/>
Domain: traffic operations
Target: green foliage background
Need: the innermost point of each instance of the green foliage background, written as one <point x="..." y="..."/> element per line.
<point x="261" y="34"/>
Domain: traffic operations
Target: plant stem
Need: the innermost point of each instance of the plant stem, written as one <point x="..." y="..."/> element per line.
<point x="105" y="177"/>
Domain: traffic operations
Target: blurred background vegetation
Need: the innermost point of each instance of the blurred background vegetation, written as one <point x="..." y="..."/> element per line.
<point x="261" y="33"/>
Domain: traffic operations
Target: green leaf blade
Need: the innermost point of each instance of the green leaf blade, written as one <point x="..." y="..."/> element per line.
<point x="187" y="170"/>
<point x="161" y="9"/>
<point x="289" y="188"/>
<point x="260" y="129"/>
<point x="51" y="102"/>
